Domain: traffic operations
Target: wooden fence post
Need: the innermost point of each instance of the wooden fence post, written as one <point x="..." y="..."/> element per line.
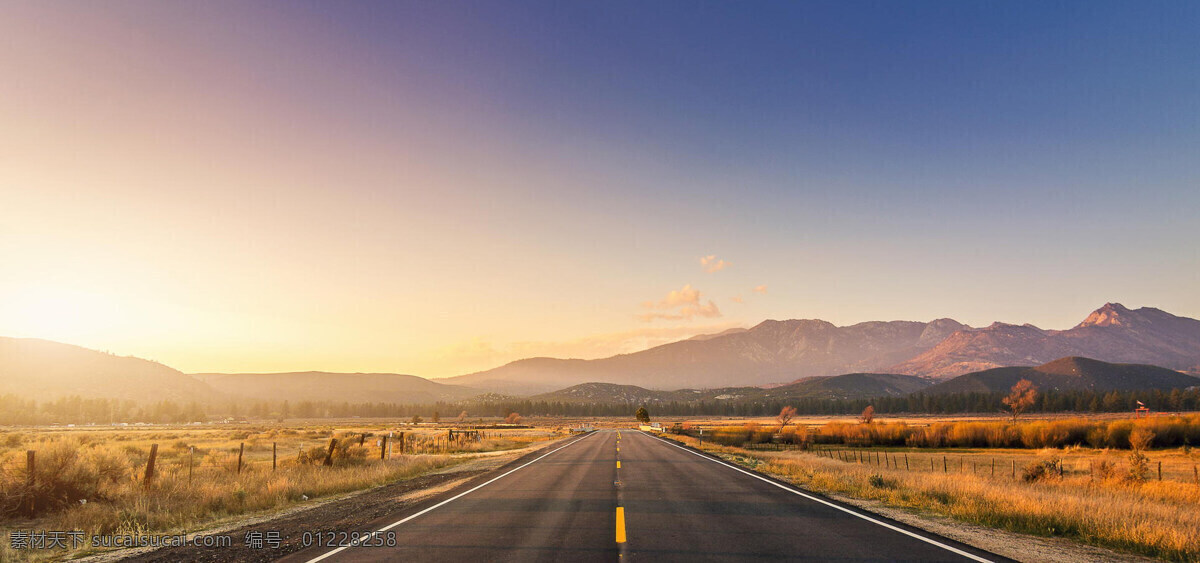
<point x="274" y="456"/>
<point x="362" y="438"/>
<point x="191" y="457"/>
<point x="402" y="443"/>
<point x="30" y="467"/>
<point x="944" y="470"/>
<point x="329" y="454"/>
<point x="993" y="467"/>
<point x="906" y="462"/>
<point x="383" y="448"/>
<point x="1014" y="468"/>
<point x="241" y="450"/>
<point x="1160" y="471"/>
<point x="150" y="466"/>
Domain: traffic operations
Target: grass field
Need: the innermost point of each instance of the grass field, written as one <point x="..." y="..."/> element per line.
<point x="94" y="479"/>
<point x="1094" y="501"/>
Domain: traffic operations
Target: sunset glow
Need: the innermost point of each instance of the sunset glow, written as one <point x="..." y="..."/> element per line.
<point x="435" y="188"/>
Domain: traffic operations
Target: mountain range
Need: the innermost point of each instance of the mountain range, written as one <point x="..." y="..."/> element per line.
<point x="1063" y="374"/>
<point x="818" y="358"/>
<point x="775" y="351"/>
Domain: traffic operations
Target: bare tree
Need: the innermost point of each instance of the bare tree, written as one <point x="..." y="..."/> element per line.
<point x="786" y="414"/>
<point x="868" y="415"/>
<point x="462" y="416"/>
<point x="1020" y="397"/>
<point x="513" y="418"/>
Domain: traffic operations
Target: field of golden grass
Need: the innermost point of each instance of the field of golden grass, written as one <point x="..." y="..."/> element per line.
<point x="1094" y="501"/>
<point x="93" y="479"/>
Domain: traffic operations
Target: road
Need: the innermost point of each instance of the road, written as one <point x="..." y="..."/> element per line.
<point x="627" y="495"/>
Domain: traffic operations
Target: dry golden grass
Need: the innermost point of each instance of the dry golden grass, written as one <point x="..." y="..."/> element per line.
<point x="1159" y="519"/>
<point x="196" y="481"/>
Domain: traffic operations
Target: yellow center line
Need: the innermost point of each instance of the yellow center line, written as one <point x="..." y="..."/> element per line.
<point x="618" y="464"/>
<point x="620" y="524"/>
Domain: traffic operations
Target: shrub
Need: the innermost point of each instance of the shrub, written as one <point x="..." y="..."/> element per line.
<point x="1040" y="469"/>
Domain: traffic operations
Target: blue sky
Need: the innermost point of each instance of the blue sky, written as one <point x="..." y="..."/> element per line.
<point x="435" y="187"/>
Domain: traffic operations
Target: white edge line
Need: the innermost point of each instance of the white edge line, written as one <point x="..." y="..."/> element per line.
<point x="451" y="499"/>
<point x="830" y="504"/>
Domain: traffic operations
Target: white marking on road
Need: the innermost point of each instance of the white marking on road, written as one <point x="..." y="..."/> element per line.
<point x="449" y="500"/>
<point x="832" y="505"/>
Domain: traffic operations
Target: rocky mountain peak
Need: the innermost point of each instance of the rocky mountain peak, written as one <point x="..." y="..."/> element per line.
<point x="1111" y="314"/>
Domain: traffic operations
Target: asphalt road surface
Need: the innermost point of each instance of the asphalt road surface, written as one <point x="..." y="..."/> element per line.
<point x="620" y="496"/>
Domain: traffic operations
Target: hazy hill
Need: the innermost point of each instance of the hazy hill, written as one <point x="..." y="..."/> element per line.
<point x="338" y="387"/>
<point x="770" y="352"/>
<point x="1112" y="333"/>
<point x="849" y="386"/>
<point x="1071" y="373"/>
<point x="43" y="370"/>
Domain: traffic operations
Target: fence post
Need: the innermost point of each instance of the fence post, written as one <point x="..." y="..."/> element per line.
<point x="150" y="466"/>
<point x="906" y="462"/>
<point x="329" y="454"/>
<point x="241" y="450"/>
<point x="274" y="456"/>
<point x="1014" y="468"/>
<point x="362" y="438"/>
<point x="944" y="470"/>
<point x="191" y="457"/>
<point x="1160" y="471"/>
<point x="383" y="448"/>
<point x="402" y="443"/>
<point x="30" y="466"/>
<point x="993" y="467"/>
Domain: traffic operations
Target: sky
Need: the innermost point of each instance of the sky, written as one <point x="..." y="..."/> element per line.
<point x="437" y="188"/>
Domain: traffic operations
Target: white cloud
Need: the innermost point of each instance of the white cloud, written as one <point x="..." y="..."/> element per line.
<point x="761" y="289"/>
<point x="737" y="299"/>
<point x="713" y="264"/>
<point x="678" y="305"/>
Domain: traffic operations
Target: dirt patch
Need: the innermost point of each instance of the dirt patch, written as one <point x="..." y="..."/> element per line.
<point x="346" y="513"/>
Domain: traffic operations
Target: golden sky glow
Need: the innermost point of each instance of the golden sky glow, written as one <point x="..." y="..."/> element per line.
<point x="276" y="188"/>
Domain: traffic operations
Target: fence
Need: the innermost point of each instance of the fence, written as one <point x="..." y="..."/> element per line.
<point x="29" y="477"/>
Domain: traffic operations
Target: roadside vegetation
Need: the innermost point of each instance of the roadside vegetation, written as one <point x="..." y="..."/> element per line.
<point x="95" y="481"/>
<point x="1168" y="431"/>
<point x="1130" y="485"/>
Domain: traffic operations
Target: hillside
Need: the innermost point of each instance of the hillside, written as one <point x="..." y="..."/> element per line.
<point x="1112" y="333"/>
<point x="849" y="386"/>
<point x="1071" y="373"/>
<point x="46" y="370"/>
<point x="770" y="352"/>
<point x="338" y="387"/>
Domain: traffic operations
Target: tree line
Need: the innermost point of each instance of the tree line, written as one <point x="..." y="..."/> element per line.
<point x="76" y="410"/>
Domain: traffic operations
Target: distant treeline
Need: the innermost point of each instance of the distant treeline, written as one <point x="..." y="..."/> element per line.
<point x="76" y="410"/>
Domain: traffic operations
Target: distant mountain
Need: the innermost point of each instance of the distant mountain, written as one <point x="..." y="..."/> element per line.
<point x="849" y="386"/>
<point x="338" y="387"/>
<point x="45" y="370"/>
<point x="1069" y="374"/>
<point x="770" y="352"/>
<point x="1112" y="333"/>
